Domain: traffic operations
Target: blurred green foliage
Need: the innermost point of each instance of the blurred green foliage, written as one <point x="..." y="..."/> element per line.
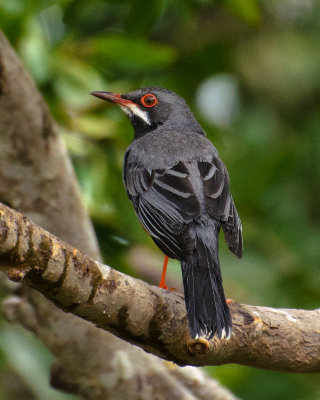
<point x="257" y="64"/>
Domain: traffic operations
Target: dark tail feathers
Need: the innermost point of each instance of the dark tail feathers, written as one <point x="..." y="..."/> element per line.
<point x="207" y="309"/>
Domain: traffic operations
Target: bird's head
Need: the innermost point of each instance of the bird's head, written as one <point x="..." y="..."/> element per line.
<point x="154" y="108"/>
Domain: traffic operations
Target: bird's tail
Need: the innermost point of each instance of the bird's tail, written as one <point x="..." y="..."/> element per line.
<point x="207" y="310"/>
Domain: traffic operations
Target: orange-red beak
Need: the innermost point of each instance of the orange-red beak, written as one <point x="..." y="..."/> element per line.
<point x="128" y="106"/>
<point x="113" y="98"/>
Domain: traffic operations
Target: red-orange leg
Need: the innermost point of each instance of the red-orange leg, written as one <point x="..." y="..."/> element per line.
<point x="162" y="283"/>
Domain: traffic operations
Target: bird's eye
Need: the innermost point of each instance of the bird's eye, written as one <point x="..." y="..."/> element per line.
<point x="149" y="100"/>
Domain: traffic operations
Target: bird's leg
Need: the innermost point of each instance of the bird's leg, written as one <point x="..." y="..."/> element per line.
<point x="162" y="283"/>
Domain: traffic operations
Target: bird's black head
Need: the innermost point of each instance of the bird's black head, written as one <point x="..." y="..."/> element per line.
<point x="154" y="108"/>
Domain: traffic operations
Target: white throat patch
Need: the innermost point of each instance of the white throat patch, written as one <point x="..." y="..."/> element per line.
<point x="133" y="109"/>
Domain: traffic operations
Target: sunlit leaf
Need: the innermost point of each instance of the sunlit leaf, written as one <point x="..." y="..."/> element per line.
<point x="75" y="80"/>
<point x="94" y="126"/>
<point x="34" y="49"/>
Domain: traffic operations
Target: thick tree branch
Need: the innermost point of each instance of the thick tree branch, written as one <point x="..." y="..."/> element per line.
<point x="36" y="176"/>
<point x="154" y="319"/>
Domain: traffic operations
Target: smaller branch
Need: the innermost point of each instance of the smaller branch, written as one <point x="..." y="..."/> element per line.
<point x="144" y="315"/>
<point x="96" y="371"/>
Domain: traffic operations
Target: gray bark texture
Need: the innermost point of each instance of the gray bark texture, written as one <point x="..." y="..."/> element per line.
<point x="36" y="178"/>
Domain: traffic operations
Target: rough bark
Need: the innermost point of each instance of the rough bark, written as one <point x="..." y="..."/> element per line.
<point x="36" y="177"/>
<point x="147" y="316"/>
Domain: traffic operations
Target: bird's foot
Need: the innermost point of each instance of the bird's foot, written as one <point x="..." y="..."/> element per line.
<point x="228" y="301"/>
<point x="163" y="286"/>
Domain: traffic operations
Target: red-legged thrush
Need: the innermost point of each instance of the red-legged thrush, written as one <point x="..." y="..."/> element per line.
<point x="179" y="188"/>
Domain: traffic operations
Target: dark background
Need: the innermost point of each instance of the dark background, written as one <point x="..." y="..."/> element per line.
<point x="250" y="71"/>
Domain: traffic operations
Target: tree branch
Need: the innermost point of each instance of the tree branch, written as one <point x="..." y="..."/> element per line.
<point x="126" y="372"/>
<point x="154" y="319"/>
<point x="36" y="175"/>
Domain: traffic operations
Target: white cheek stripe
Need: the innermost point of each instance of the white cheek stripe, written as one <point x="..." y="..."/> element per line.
<point x="133" y="109"/>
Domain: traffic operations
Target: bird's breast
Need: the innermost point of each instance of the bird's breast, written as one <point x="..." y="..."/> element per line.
<point x="159" y="150"/>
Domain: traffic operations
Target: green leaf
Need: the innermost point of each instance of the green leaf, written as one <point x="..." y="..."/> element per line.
<point x="96" y="127"/>
<point x="75" y="80"/>
<point x="127" y="53"/>
<point x="34" y="49"/>
<point x="247" y="10"/>
<point x="135" y="23"/>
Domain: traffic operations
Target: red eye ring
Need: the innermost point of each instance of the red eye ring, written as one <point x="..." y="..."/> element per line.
<point x="149" y="100"/>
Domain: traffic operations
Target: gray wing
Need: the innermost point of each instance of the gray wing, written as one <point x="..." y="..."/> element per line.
<point x="165" y="204"/>
<point x="219" y="202"/>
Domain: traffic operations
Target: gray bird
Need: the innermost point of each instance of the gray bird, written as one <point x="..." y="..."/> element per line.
<point x="179" y="188"/>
